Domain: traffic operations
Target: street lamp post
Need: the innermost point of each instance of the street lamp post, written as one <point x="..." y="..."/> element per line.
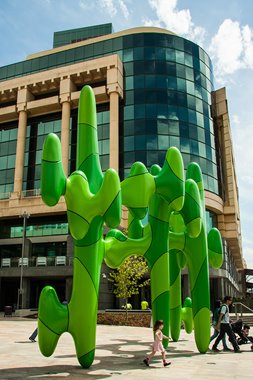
<point x="25" y="216"/>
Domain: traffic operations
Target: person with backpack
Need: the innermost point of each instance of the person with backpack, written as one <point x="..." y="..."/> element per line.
<point x="216" y="313"/>
<point x="224" y="326"/>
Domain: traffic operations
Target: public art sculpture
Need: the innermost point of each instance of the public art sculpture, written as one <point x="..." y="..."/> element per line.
<point x="174" y="236"/>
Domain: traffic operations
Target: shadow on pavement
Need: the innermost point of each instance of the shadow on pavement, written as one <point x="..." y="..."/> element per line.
<point x="110" y="360"/>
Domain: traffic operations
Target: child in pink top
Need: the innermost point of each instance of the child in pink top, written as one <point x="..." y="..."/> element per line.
<point x="158" y="344"/>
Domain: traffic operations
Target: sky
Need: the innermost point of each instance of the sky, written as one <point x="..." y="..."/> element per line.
<point x="224" y="28"/>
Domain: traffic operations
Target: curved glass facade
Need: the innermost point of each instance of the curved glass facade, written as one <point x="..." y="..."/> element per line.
<point x="168" y="81"/>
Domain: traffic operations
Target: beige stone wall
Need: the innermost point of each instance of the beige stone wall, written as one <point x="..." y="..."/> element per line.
<point x="64" y="82"/>
<point x="228" y="221"/>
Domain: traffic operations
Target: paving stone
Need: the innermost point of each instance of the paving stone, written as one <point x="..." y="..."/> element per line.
<point x="119" y="355"/>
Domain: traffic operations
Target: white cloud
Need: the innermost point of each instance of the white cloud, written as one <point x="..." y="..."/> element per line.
<point x="124" y="8"/>
<point x="235" y="119"/>
<point x="111" y="7"/>
<point x="108" y="6"/>
<point x="177" y="21"/>
<point x="231" y="48"/>
<point x="243" y="143"/>
<point x="248" y="255"/>
<point x="248" y="42"/>
<point x="85" y="5"/>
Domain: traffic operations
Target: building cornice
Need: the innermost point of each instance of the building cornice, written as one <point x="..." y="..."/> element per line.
<point x="142" y="29"/>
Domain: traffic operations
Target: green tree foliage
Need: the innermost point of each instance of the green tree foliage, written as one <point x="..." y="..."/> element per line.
<point x="129" y="277"/>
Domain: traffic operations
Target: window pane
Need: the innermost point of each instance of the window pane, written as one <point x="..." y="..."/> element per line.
<point x="163" y="142"/>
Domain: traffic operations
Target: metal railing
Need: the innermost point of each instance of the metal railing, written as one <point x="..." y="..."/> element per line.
<point x="5" y="195"/>
<point x="22" y="194"/>
<point x="15" y="262"/>
<point x="239" y="306"/>
<point x="30" y="193"/>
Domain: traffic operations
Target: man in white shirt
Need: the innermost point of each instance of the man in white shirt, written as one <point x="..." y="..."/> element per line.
<point x="223" y="325"/>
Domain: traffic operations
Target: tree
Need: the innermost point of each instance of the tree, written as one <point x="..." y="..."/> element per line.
<point x="129" y="277"/>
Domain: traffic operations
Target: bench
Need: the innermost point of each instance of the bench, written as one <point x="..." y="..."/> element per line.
<point x="60" y="260"/>
<point x="6" y="263"/>
<point x="23" y="262"/>
<point x="41" y="262"/>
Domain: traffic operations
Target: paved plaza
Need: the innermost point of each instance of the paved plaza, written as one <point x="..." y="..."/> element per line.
<point x="119" y="355"/>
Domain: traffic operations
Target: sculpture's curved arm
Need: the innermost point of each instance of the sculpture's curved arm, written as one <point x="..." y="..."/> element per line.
<point x="118" y="247"/>
<point x="87" y="154"/>
<point x="215" y="250"/>
<point x="53" y="180"/>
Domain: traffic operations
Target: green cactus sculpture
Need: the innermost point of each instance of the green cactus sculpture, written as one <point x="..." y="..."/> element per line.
<point x="170" y="195"/>
<point x="92" y="199"/>
<point x="160" y="191"/>
<point x="175" y="235"/>
<point x="195" y="252"/>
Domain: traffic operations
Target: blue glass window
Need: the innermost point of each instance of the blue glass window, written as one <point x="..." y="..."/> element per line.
<point x="194" y="147"/>
<point x="202" y="149"/>
<point x="179" y="56"/>
<point x="150" y="81"/>
<point x="139" y="81"/>
<point x="161" y="81"/>
<point x="184" y="145"/>
<point x="139" y="111"/>
<point x="173" y="127"/>
<point x="138" y="54"/>
<point x="181" y="84"/>
<point x="140" y="142"/>
<point x="163" y="142"/>
<point x="128" y="112"/>
<point x="152" y="158"/>
<point x="192" y="116"/>
<point x="151" y="111"/>
<point x="175" y="141"/>
<point x="170" y="55"/>
<point x="201" y="135"/>
<point x="152" y="142"/>
<point x="129" y="159"/>
<point x="128" y="55"/>
<point x="129" y="143"/>
<point x="182" y="114"/>
<point x="129" y="83"/>
<point x="162" y="126"/>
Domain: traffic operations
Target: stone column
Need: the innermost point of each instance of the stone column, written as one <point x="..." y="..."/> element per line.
<point x="115" y="91"/>
<point x="25" y="300"/>
<point x="65" y="128"/>
<point x="24" y="96"/>
<point x="66" y="87"/>
<point x="20" y="151"/>
<point x="114" y="131"/>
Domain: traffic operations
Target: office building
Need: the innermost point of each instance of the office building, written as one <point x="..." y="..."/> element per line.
<point x="153" y="90"/>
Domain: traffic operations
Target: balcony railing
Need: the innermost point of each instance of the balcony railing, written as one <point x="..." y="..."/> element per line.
<point x="41" y="261"/>
<point x="30" y="193"/>
<point x="22" y="194"/>
<point x="5" y="195"/>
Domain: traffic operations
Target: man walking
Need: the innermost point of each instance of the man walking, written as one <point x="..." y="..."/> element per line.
<point x="223" y="325"/>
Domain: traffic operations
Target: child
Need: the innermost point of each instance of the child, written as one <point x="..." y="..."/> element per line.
<point x="244" y="336"/>
<point x="158" y="345"/>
